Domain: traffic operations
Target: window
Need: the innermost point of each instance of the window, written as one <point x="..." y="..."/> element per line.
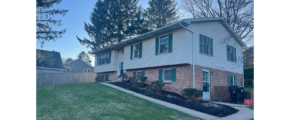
<point x="104" y="58"/>
<point x="167" y="75"/>
<point x="232" y="80"/>
<point x="87" y="70"/>
<point x="136" y="51"/>
<point x="67" y="69"/>
<point x="231" y="53"/>
<point x="163" y="44"/>
<point x="206" y="45"/>
<point x="106" y="77"/>
<point x="139" y="74"/>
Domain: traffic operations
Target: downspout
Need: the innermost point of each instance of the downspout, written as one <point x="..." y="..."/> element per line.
<point x="193" y="70"/>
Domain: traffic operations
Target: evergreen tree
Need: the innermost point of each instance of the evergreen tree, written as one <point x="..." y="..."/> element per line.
<point x="113" y="21"/>
<point x="44" y="21"/>
<point x="162" y="12"/>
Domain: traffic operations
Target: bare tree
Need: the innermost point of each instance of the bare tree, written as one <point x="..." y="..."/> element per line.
<point x="239" y="14"/>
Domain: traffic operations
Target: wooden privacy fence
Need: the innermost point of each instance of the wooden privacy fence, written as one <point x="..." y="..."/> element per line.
<point x="44" y="79"/>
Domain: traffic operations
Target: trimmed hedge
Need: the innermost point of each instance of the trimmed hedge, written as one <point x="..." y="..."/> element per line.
<point x="211" y="108"/>
<point x="249" y="73"/>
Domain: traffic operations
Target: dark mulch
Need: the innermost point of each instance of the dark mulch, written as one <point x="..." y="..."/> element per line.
<point x="202" y="106"/>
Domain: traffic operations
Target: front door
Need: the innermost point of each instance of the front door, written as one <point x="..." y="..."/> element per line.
<point x="206" y="85"/>
<point x="120" y="69"/>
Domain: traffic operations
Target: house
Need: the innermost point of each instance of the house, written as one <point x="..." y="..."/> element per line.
<point x="205" y="54"/>
<point x="78" y="65"/>
<point x="48" y="62"/>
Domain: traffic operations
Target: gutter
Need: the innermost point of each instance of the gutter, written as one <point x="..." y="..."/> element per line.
<point x="193" y="69"/>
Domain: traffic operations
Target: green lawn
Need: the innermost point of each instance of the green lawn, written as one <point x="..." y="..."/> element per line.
<point x="91" y="101"/>
<point x="251" y="107"/>
<point x="249" y="89"/>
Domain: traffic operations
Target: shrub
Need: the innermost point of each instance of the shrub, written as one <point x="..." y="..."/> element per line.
<point x="100" y="78"/>
<point x="156" y="87"/>
<point x="138" y="81"/>
<point x="123" y="77"/>
<point x="191" y="94"/>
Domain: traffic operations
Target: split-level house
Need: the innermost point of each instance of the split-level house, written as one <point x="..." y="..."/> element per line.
<point x="205" y="54"/>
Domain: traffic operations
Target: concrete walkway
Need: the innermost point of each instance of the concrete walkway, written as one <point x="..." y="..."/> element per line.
<point x="243" y="114"/>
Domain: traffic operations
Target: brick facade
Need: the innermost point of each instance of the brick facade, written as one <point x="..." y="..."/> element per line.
<point x="183" y="77"/>
<point x="112" y="75"/>
<point x="218" y="82"/>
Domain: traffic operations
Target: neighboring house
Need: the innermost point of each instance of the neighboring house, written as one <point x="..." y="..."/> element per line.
<point x="205" y="54"/>
<point x="48" y="62"/>
<point x="78" y="65"/>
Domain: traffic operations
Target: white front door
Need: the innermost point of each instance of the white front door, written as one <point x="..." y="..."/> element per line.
<point x="206" y="84"/>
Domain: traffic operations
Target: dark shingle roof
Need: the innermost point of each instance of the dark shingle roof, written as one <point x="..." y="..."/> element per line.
<point x="49" y="59"/>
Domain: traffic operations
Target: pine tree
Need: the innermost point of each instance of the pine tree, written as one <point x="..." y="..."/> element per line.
<point x="162" y="12"/>
<point x="44" y="21"/>
<point x="113" y="21"/>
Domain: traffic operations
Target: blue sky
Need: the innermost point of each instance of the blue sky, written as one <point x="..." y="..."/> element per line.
<point x="79" y="12"/>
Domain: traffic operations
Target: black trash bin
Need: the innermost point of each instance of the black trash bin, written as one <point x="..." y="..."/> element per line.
<point x="236" y="94"/>
<point x="233" y="93"/>
<point x="240" y="95"/>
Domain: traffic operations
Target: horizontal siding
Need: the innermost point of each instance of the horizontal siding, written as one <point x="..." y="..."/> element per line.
<point x="149" y="59"/>
<point x="107" y="67"/>
<point x="219" y="33"/>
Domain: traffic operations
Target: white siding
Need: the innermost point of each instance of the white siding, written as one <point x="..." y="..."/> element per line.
<point x="107" y="67"/>
<point x="219" y="33"/>
<point x="149" y="59"/>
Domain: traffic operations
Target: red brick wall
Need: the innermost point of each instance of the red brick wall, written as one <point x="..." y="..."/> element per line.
<point x="218" y="82"/>
<point x="112" y="75"/>
<point x="183" y="77"/>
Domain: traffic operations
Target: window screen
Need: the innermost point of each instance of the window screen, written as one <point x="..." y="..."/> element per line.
<point x="163" y="44"/>
<point x="231" y="53"/>
<point x="167" y="75"/>
<point x="136" y="50"/>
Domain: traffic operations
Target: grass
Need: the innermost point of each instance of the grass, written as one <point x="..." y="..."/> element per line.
<point x="251" y="107"/>
<point x="91" y="101"/>
<point x="249" y="89"/>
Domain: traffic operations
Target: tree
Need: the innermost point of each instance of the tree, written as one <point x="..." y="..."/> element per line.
<point x="239" y="14"/>
<point x="44" y="21"/>
<point x="162" y="12"/>
<point x="85" y="57"/>
<point x="67" y="60"/>
<point x="113" y="21"/>
<point x="248" y="57"/>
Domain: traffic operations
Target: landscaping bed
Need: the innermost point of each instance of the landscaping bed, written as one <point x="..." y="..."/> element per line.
<point x="202" y="106"/>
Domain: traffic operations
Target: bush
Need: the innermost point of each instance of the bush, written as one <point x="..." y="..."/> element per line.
<point x="138" y="81"/>
<point x="100" y="78"/>
<point x="123" y="77"/>
<point x="191" y="94"/>
<point x="156" y="87"/>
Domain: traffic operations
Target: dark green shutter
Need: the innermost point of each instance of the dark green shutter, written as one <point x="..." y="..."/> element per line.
<point x="134" y="74"/>
<point x="143" y="73"/>
<point x="236" y="82"/>
<point x="156" y="45"/>
<point x="235" y="55"/>
<point x="98" y="60"/>
<point x="140" y="50"/>
<point x="229" y="80"/>
<point x="160" y="75"/>
<point x="131" y="54"/>
<point x="200" y="43"/>
<point x="170" y="43"/>
<point x="109" y="57"/>
<point x="173" y="74"/>
<point x="228" y="56"/>
<point x="211" y="47"/>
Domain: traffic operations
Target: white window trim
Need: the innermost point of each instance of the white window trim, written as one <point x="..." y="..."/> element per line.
<point x="233" y="55"/>
<point x="233" y="80"/>
<point x="208" y="48"/>
<point x="87" y="69"/>
<point x="163" y="75"/>
<point x="134" y="52"/>
<point x="160" y="45"/>
<point x="102" y="58"/>
<point x="208" y="75"/>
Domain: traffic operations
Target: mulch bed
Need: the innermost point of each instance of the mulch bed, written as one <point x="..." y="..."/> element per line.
<point x="201" y="106"/>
